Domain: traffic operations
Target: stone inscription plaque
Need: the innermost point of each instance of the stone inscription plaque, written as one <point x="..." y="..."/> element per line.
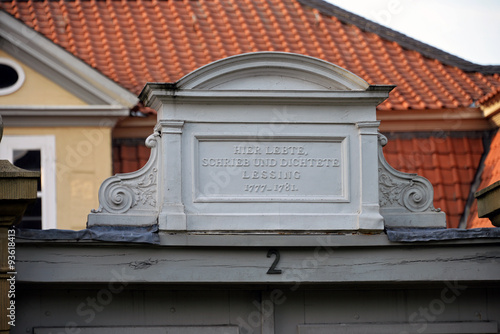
<point x="231" y="170"/>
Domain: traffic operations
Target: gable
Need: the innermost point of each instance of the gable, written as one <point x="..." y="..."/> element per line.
<point x="37" y="89"/>
<point x="60" y="66"/>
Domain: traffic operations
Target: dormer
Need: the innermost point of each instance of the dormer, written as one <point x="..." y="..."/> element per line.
<point x="266" y="142"/>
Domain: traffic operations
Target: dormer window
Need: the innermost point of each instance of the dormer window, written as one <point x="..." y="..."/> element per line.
<point x="11" y="76"/>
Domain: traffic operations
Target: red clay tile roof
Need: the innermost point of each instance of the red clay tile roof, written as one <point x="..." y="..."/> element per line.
<point x="487" y="99"/>
<point x="449" y="163"/>
<point x="490" y="98"/>
<point x="129" y="156"/>
<point x="134" y="42"/>
<point x="490" y="174"/>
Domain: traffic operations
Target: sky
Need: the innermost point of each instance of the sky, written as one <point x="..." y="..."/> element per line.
<point x="469" y="29"/>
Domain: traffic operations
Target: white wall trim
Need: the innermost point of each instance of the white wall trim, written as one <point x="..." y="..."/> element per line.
<point x="47" y="146"/>
<point x="20" y="74"/>
<point x="64" y="110"/>
<point x="93" y="115"/>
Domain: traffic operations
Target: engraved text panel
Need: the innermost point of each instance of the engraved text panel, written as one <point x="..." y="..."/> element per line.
<point x="279" y="170"/>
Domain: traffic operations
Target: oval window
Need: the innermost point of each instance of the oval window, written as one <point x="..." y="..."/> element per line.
<point x="11" y="76"/>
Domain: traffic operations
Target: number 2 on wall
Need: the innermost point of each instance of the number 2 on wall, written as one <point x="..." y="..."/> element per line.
<point x="272" y="270"/>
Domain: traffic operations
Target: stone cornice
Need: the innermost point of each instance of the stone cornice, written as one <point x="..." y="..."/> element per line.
<point x="32" y="116"/>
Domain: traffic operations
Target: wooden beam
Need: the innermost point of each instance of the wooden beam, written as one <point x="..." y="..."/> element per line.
<point x="100" y="263"/>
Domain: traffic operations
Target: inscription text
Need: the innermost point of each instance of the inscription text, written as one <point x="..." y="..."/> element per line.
<point x="266" y="169"/>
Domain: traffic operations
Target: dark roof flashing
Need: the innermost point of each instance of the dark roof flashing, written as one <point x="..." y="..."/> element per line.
<point x="440" y="234"/>
<point x="126" y="234"/>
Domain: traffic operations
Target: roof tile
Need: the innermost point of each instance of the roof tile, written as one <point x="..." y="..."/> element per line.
<point x="128" y="152"/>
<point x="435" y="159"/>
<point x="135" y="42"/>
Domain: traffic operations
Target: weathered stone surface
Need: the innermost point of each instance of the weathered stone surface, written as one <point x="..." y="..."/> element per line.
<point x="267" y="142"/>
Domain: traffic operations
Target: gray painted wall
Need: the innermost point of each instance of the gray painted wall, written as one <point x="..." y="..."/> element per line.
<point x="447" y="307"/>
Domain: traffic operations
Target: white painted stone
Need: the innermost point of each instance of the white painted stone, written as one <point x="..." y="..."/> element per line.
<point x="132" y="198"/>
<point x="266" y="142"/>
<point x="406" y="200"/>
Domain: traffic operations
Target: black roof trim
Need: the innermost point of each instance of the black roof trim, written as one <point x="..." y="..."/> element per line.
<point x="441" y="234"/>
<point x="401" y="39"/>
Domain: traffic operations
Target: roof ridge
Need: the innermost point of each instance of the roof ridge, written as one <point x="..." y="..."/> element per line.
<point x="402" y="39"/>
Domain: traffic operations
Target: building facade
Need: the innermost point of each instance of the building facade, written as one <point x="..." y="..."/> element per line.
<point x="434" y="116"/>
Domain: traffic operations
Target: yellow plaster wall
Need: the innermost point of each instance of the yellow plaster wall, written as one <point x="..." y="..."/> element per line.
<point x="38" y="90"/>
<point x="83" y="162"/>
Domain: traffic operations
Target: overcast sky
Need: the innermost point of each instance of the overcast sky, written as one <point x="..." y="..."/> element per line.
<point x="469" y="29"/>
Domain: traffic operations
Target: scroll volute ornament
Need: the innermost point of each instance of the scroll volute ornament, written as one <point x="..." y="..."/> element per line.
<point x="406" y="199"/>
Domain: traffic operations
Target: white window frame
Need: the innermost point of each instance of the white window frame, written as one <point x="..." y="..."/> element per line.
<point x="47" y="146"/>
<point x="20" y="76"/>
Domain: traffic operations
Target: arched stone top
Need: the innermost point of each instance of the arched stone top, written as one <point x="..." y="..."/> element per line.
<point x="272" y="71"/>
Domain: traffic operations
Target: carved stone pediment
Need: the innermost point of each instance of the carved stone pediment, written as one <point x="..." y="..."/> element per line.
<point x="264" y="142"/>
